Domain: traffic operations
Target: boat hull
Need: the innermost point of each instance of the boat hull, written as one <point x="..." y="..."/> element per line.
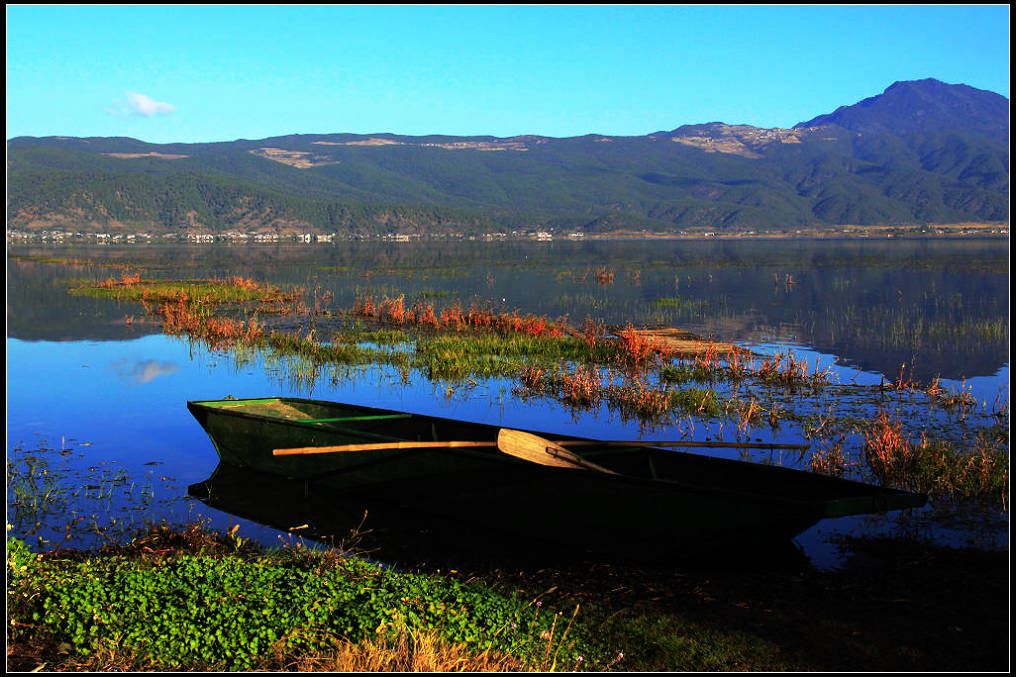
<point x="657" y="497"/>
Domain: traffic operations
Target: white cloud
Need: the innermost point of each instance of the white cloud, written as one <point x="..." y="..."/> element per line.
<point x="139" y="104"/>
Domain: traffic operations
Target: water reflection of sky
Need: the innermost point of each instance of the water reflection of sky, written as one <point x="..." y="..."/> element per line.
<point x="143" y="371"/>
<point x="990" y="391"/>
<point x="121" y="402"/>
<point x="939" y="306"/>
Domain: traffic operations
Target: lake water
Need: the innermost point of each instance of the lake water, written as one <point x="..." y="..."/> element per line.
<point x="96" y="394"/>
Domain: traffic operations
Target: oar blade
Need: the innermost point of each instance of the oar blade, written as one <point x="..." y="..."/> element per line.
<point x="531" y="448"/>
<point x="539" y="450"/>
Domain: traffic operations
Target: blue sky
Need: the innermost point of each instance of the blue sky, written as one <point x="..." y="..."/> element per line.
<point x="217" y="73"/>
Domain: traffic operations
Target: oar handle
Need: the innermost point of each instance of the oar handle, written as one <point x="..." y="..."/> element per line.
<point x="379" y="446"/>
<point x="575" y="459"/>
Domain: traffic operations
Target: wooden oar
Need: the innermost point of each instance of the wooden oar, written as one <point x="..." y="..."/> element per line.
<point x="538" y="450"/>
<point x="524" y="445"/>
<point x="379" y="446"/>
<point x="640" y="443"/>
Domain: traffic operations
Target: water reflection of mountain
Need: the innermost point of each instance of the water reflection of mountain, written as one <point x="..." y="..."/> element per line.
<point x="939" y="305"/>
<point x="40" y="308"/>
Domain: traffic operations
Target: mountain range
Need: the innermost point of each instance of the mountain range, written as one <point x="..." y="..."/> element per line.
<point x="921" y="152"/>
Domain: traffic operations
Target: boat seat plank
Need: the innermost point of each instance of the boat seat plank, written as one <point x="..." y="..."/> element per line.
<point x="275" y="409"/>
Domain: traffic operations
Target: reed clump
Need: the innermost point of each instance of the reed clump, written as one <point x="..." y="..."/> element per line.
<point x="938" y="468"/>
<point x="216" y="291"/>
<point x="602" y="276"/>
<point x="829" y="458"/>
<point x="456" y="318"/>
<point x="636" y="351"/>
<point x="182" y="316"/>
<point x="647" y="403"/>
<point x="585" y="387"/>
<point x="507" y="333"/>
<point x="72" y="263"/>
<point x="736" y="366"/>
<point x="950" y="400"/>
<point x="581" y="387"/>
<point x="788" y="371"/>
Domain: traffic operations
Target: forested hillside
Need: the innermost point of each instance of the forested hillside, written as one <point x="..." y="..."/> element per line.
<point x="867" y="164"/>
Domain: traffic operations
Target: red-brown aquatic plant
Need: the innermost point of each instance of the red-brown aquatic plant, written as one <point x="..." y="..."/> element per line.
<point x="829" y="458"/>
<point x="456" y="318"/>
<point x="937" y="468"/>
<point x="636" y="350"/>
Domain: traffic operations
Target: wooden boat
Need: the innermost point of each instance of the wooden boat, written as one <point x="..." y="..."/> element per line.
<point x="636" y="497"/>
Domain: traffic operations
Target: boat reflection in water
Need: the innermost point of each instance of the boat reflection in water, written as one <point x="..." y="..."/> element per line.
<point x="402" y="534"/>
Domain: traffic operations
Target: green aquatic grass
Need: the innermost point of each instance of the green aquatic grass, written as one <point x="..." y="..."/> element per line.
<point x="683" y="372"/>
<point x="441" y="356"/>
<point x="378" y="337"/>
<point x="75" y="263"/>
<point x="490" y="354"/>
<point x="702" y="401"/>
<point x="676" y="302"/>
<point x="321" y="353"/>
<point x="193" y="291"/>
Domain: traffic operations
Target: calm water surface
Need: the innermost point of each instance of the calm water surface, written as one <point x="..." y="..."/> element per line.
<point x="96" y="396"/>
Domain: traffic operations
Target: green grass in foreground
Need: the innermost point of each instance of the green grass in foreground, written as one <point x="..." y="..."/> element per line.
<point x="231" y="606"/>
<point x="229" y="612"/>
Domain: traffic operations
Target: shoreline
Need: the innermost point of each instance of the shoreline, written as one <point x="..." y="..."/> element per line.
<point x="937" y="232"/>
<point x="904" y="606"/>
